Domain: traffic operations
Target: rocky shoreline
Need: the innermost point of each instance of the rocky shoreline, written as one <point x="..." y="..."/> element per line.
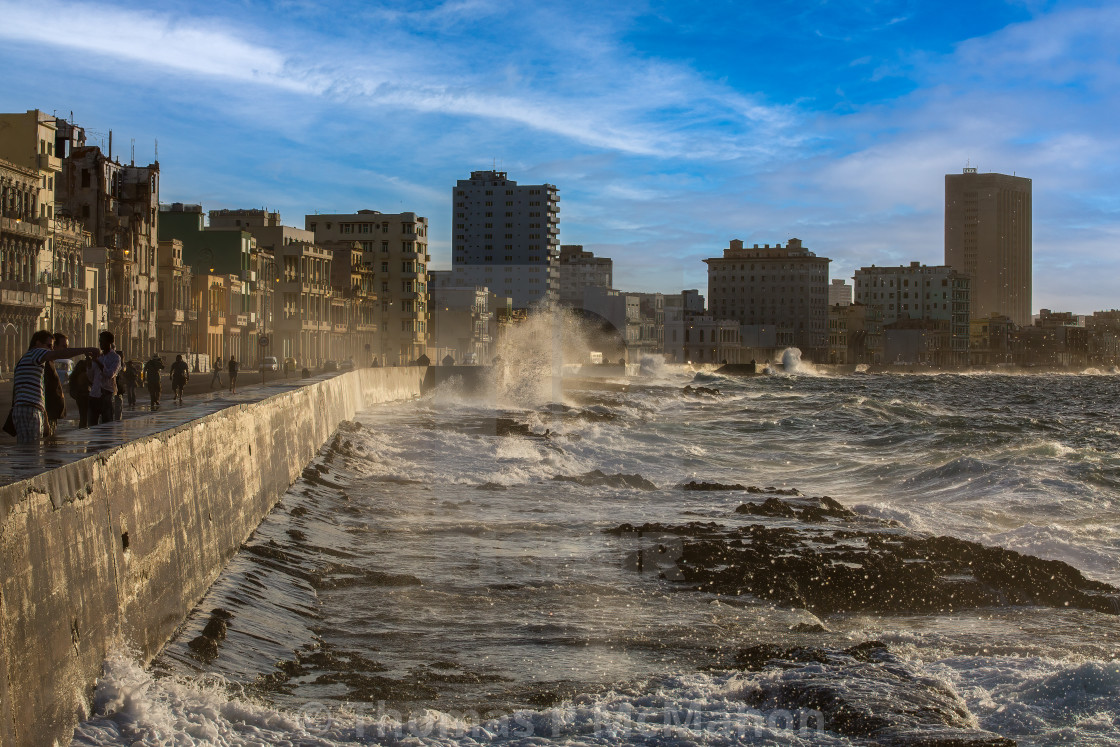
<point x="813" y="553"/>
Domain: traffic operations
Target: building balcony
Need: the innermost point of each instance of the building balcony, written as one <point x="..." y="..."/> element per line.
<point x="217" y="320"/>
<point x="360" y="327"/>
<point x="192" y="315"/>
<point x="17" y="293"/>
<point x="240" y="320"/>
<point x="340" y="328"/>
<point x="170" y="315"/>
<point x="120" y="310"/>
<point x="25" y="228"/>
<point x="77" y="296"/>
<point x="50" y="163"/>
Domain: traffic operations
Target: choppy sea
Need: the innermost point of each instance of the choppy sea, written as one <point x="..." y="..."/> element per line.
<point x="432" y="583"/>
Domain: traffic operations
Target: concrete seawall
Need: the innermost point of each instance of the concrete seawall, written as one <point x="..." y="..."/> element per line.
<point x="121" y="545"/>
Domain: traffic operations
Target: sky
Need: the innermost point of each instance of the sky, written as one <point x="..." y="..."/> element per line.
<point x="669" y="128"/>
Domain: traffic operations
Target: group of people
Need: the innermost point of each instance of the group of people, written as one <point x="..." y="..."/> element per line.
<point x="94" y="383"/>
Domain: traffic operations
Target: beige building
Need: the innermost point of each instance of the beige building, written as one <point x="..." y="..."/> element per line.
<point x="174" y="314"/>
<point x="209" y="297"/>
<point x="119" y="205"/>
<point x="303" y="304"/>
<point x="41" y="251"/>
<point x="355" y="310"/>
<point x="395" y="247"/>
<point x="776" y="286"/>
<point x="988" y="237"/>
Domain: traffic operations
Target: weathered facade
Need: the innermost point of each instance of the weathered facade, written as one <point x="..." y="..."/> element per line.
<point x="778" y="286"/>
<point x="119" y="205"/>
<point x="395" y="247"/>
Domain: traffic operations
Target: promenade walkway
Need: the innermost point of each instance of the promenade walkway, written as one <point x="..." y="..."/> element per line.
<point x="21" y="461"/>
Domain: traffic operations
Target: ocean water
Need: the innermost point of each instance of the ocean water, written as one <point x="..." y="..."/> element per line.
<point x="437" y="585"/>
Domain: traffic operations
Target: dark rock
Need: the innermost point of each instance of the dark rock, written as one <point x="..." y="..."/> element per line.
<point x="598" y="477"/>
<point x="774" y="507"/>
<point x="866" y="566"/>
<point x="694" y="485"/>
<point x="809" y="628"/>
<point x="865" y="692"/>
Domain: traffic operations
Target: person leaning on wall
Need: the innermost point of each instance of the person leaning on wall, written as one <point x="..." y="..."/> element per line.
<point x="28" y="418"/>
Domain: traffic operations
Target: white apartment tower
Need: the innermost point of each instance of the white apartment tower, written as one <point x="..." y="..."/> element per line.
<point x="506" y="237"/>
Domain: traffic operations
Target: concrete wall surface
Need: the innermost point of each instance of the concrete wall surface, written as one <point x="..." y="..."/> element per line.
<point x="120" y="546"/>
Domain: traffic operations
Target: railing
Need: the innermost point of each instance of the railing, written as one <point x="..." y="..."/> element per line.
<point x="23" y="227"/>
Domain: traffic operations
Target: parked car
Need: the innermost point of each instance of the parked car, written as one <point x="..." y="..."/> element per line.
<point x="329" y="366"/>
<point x="269" y="363"/>
<point x="346" y="365"/>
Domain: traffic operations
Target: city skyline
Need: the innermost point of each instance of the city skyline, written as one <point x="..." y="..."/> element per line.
<point x="668" y="130"/>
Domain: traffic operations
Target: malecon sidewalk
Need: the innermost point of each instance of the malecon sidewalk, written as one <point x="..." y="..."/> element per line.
<point x="71" y="443"/>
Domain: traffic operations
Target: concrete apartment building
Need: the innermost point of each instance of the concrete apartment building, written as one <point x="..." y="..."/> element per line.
<point x="785" y="287"/>
<point x="506" y="237"/>
<point x="578" y="270"/>
<point x="988" y="237"/>
<point x="395" y="246"/>
<point x="912" y="293"/>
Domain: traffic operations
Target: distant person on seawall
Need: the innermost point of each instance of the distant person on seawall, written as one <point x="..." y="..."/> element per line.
<point x="234" y="367"/>
<point x="179" y="378"/>
<point x="151" y="379"/>
<point x="28" y="395"/>
<point x="216" y="372"/>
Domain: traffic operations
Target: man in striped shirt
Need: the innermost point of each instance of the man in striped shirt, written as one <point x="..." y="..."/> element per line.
<point x="29" y="408"/>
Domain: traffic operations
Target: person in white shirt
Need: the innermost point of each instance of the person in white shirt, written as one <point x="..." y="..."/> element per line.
<point x="103" y="369"/>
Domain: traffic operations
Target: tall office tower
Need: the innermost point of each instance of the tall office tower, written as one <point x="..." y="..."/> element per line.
<point x="506" y="237"/>
<point x="988" y="237"/>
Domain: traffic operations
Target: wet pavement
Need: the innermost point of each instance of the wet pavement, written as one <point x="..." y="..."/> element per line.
<point x="21" y="461"/>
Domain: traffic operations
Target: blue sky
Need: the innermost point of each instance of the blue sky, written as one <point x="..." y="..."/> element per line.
<point x="669" y="127"/>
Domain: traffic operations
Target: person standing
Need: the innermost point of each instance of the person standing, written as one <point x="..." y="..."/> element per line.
<point x="234" y="367"/>
<point x="151" y="379"/>
<point x="29" y="406"/>
<point x="79" y="389"/>
<point x="54" y="396"/>
<point x="131" y="378"/>
<point x="179" y="378"/>
<point x="103" y="380"/>
<point x="217" y="372"/>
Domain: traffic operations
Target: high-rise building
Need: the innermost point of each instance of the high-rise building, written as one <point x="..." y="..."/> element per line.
<point x="395" y="247"/>
<point x="988" y="237"/>
<point x="780" y="286"/>
<point x="506" y="237"/>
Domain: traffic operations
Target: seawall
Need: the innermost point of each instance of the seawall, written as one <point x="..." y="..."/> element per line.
<point x="121" y="545"/>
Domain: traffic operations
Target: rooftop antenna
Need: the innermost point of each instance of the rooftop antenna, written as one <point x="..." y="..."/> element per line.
<point x="132" y="152"/>
<point x="157" y="150"/>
